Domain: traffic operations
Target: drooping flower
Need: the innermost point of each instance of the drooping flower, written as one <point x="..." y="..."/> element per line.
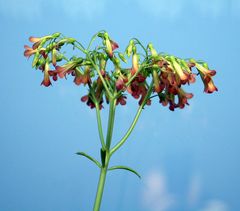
<point x="83" y="78"/>
<point x="183" y="75"/>
<point x="206" y="76"/>
<point x="129" y="48"/>
<point x="134" y="63"/>
<point x="183" y="98"/>
<point x="46" y="80"/>
<point x="120" y="84"/>
<point x="67" y="68"/>
<point x="53" y="74"/>
<point x="209" y="87"/>
<point x="121" y="100"/>
<point x="110" y="45"/>
<point x="54" y="58"/>
<point x="157" y="87"/>
<point x="29" y="51"/>
<point x="152" y="50"/>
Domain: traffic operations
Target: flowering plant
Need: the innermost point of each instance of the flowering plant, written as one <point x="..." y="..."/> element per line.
<point x="150" y="74"/>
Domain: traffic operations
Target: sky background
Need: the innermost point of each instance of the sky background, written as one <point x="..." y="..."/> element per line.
<point x="188" y="159"/>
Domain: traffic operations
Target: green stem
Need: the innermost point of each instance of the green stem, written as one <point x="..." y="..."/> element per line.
<point x="99" y="122"/>
<point x="101" y="183"/>
<point x="122" y="141"/>
<point x="103" y="173"/>
<point x="100" y="75"/>
<point x="110" y="122"/>
<point x="93" y="38"/>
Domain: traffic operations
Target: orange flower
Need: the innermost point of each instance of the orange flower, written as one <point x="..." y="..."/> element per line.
<point x="83" y="78"/>
<point x="134" y="64"/>
<point x="210" y="87"/>
<point x="182" y="98"/>
<point x="29" y="51"/>
<point x="183" y="75"/>
<point x="46" y="80"/>
<point x="66" y="68"/>
<point x="157" y="87"/>
<point x="206" y="76"/>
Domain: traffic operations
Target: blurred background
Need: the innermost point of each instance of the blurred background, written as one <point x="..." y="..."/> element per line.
<point x="188" y="159"/>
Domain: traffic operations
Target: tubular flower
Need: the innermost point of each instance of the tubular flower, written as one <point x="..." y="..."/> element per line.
<point x="129" y="48"/>
<point x="152" y="50"/>
<point x="54" y="58"/>
<point x="120" y="84"/>
<point x="209" y="87"/>
<point x="180" y="72"/>
<point x="29" y="51"/>
<point x="66" y="68"/>
<point x="110" y="45"/>
<point x="53" y="74"/>
<point x="157" y="87"/>
<point x="134" y="64"/>
<point x="46" y="80"/>
<point x="83" y="78"/>
<point x="37" y="41"/>
<point x="182" y="98"/>
<point x="121" y="100"/>
<point x="206" y="76"/>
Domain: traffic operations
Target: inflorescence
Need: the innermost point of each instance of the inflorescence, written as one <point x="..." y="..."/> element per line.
<point x="167" y="73"/>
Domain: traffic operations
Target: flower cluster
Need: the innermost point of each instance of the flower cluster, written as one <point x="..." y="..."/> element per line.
<point x="101" y="70"/>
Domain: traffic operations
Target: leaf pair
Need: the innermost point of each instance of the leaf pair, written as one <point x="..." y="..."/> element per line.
<point x="111" y="168"/>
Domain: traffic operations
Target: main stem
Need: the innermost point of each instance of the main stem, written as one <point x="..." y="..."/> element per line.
<point x="100" y="188"/>
<point x="105" y="156"/>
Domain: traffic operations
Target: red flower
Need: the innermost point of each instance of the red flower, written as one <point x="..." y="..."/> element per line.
<point x="46" y="80"/>
<point x="53" y="74"/>
<point x="121" y="100"/>
<point x="83" y="78"/>
<point x="206" y="76"/>
<point x="182" y="98"/>
<point x="29" y="51"/>
<point x="157" y="87"/>
<point x="119" y="84"/>
<point x="209" y="87"/>
<point x="66" y="68"/>
<point x="109" y="48"/>
<point x="114" y="45"/>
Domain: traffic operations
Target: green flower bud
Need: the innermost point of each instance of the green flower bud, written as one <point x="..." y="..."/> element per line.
<point x="56" y="35"/>
<point x="129" y="48"/>
<point x="121" y="56"/>
<point x="152" y="49"/>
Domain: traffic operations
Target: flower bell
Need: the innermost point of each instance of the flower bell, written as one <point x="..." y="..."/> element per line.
<point x="129" y="48"/>
<point x="152" y="50"/>
<point x="180" y="72"/>
<point x="134" y="62"/>
<point x="210" y="87"/>
<point x="29" y="51"/>
<point x="46" y="80"/>
<point x="206" y="76"/>
<point x="156" y="81"/>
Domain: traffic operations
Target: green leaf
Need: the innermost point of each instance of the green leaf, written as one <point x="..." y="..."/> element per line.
<point x="90" y="158"/>
<point x="125" y="168"/>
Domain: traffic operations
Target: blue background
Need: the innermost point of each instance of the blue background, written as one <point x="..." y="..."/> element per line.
<point x="188" y="159"/>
